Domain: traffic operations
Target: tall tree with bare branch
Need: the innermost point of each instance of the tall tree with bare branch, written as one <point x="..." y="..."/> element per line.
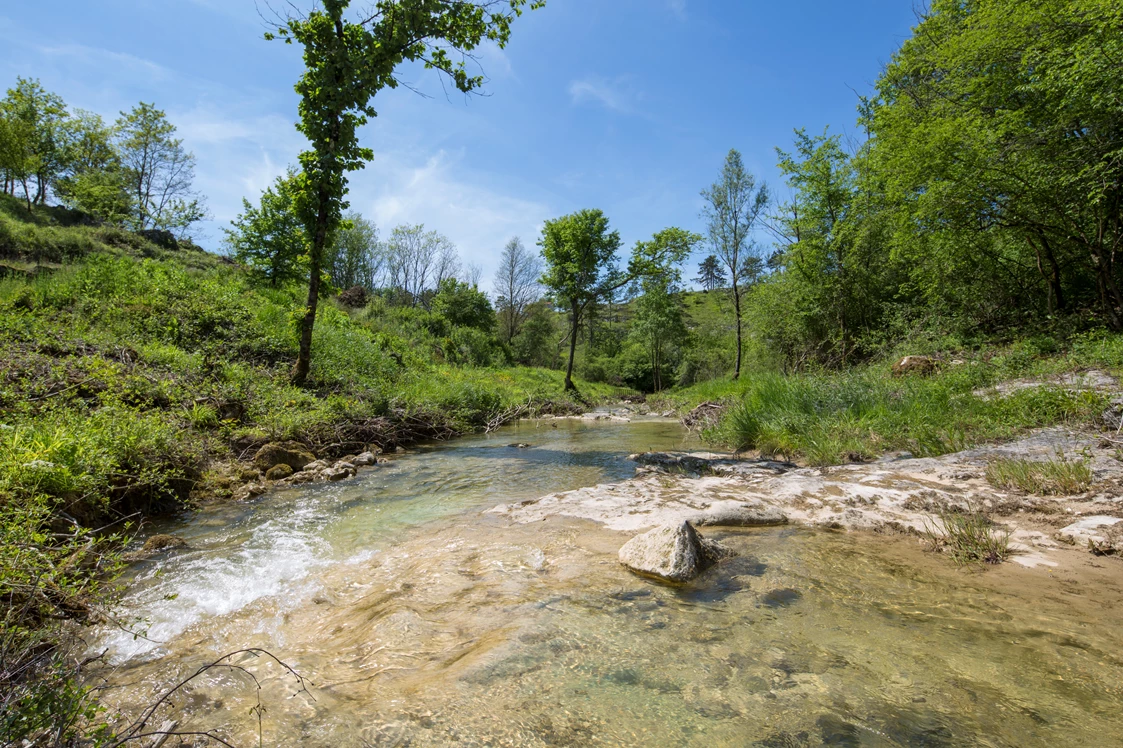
<point x="350" y="56"/>
<point x="734" y="204"/>
<point x="516" y="286"/>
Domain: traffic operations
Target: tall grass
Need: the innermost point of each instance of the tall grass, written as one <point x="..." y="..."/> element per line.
<point x="832" y="418"/>
<point x="1041" y="477"/>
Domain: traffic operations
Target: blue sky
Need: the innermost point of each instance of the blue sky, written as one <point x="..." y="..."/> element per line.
<point x="624" y="105"/>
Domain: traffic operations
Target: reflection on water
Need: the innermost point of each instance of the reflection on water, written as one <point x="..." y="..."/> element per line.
<point x="423" y="623"/>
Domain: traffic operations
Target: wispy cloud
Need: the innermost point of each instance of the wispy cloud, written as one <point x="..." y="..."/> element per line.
<point x="437" y="191"/>
<point x="615" y="94"/>
<point x="678" y="7"/>
<point x="96" y="56"/>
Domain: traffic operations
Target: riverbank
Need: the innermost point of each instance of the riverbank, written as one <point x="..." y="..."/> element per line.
<point x="421" y="617"/>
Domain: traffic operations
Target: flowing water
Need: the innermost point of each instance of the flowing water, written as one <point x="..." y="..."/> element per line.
<point x="420" y="620"/>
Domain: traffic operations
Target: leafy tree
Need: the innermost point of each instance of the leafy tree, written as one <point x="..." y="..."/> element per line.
<point x="710" y="273"/>
<point x="997" y="130"/>
<point x="160" y="171"/>
<point x="464" y="305"/>
<point x="17" y="154"/>
<point x="356" y="257"/>
<point x="95" y="182"/>
<point x="660" y="319"/>
<point x="579" y="251"/>
<point x="36" y="137"/>
<point x="269" y="238"/>
<point x="348" y="60"/>
<point x="534" y="345"/>
<point x="516" y="284"/>
<point x="734" y="204"/>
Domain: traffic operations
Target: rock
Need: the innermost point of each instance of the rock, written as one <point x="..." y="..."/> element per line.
<point x="154" y="545"/>
<point x="740" y="515"/>
<point x="316" y="466"/>
<point x="157" y="543"/>
<point x="674" y="553"/>
<point x="161" y="238"/>
<point x="366" y="458"/>
<point x="277" y="472"/>
<point x="1111" y="541"/>
<point x="354" y="297"/>
<point x="293" y="454"/>
<point x="922" y="365"/>
<point x="302" y="477"/>
<point x="519" y="445"/>
<point x="1089" y="531"/>
<point x="337" y="473"/>
<point x="1113" y="415"/>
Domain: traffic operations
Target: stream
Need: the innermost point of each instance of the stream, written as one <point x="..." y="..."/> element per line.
<point x="418" y="619"/>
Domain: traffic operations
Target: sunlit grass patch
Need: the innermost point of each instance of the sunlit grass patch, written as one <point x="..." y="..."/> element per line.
<point x="1044" y="478"/>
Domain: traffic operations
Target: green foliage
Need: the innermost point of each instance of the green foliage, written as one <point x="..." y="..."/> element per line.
<point x="269" y="238"/>
<point x="464" y="306"/>
<point x="969" y="537"/>
<point x="356" y="257"/>
<point x="348" y="62"/>
<point x="1041" y="477"/>
<point x="734" y="205"/>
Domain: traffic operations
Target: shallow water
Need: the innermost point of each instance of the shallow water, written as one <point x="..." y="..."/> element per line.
<point x="422" y="621"/>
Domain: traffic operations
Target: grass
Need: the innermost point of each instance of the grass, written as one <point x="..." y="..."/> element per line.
<point x="1042" y="478"/>
<point x="858" y="414"/>
<point x="969" y="538"/>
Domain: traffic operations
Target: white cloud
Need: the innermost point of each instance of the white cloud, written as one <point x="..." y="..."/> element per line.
<point x="615" y="94"/>
<point x="400" y="188"/>
<point x="678" y="7"/>
<point x="98" y="57"/>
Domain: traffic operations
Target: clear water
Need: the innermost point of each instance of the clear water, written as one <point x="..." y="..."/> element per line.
<point x="423" y="621"/>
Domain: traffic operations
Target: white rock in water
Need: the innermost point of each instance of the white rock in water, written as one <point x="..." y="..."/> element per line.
<point x="730" y="514"/>
<point x="676" y="553"/>
<point x="366" y="458"/>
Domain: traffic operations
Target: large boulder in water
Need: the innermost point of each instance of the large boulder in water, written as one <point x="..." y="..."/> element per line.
<point x="293" y="454"/>
<point x="674" y="553"/>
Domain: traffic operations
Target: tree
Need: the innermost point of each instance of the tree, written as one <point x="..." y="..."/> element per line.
<point x="579" y="251"/>
<point x="17" y="155"/>
<point x="418" y="260"/>
<point x="35" y="134"/>
<point x="348" y="60"/>
<point x="160" y="171"/>
<point x="997" y="127"/>
<point x="660" y="320"/>
<point x="269" y="238"/>
<point x="464" y="305"/>
<point x="94" y="182"/>
<point x="734" y="203"/>
<point x="710" y="273"/>
<point x="516" y="286"/>
<point x="356" y="256"/>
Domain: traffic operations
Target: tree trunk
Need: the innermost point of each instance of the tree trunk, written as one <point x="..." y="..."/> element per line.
<point x="569" y="385"/>
<point x="737" y="315"/>
<point x="319" y="240"/>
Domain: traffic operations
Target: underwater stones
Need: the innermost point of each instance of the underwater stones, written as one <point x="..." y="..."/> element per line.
<point x="674" y="553"/>
<point x="154" y="545"/>
<point x="519" y="445"/>
<point x="740" y="515"/>
<point x="277" y="472"/>
<point x="293" y="454"/>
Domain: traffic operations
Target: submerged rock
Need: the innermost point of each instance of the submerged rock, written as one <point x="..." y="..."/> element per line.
<point x="293" y="454"/>
<point x="675" y="553"/>
<point x="154" y="545"/>
<point x="731" y="514"/>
